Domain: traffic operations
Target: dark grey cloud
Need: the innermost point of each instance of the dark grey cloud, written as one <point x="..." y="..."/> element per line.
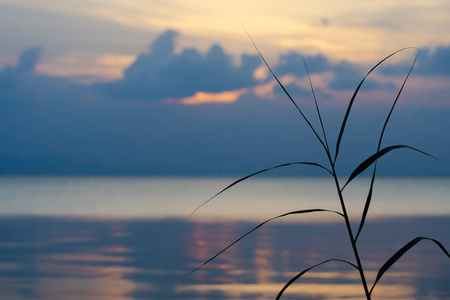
<point x="292" y="63"/>
<point x="75" y="135"/>
<point x="434" y="62"/>
<point x="294" y="90"/>
<point x="26" y="64"/>
<point x="50" y="125"/>
<point x="11" y="77"/>
<point x="299" y="93"/>
<point x="347" y="76"/>
<point x="28" y="60"/>
<point x="430" y="62"/>
<point x="163" y="74"/>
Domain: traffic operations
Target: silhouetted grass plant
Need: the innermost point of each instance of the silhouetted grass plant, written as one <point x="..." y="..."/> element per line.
<point x="332" y="159"/>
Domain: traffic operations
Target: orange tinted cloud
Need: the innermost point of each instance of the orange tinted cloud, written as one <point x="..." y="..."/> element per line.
<point x="203" y="97"/>
<point x="87" y="67"/>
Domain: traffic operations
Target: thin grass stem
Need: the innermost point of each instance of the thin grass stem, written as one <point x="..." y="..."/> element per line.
<point x="317" y="105"/>
<point x="304" y="211"/>
<point x="373" y="159"/>
<point x="350" y="234"/>
<point x="372" y="181"/>
<point x="355" y="93"/>
<point x="287" y="93"/>
<point x="293" y="279"/>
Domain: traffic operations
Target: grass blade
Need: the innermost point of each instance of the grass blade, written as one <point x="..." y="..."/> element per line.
<point x="286" y="92"/>
<point x="400" y="253"/>
<point x="305" y="211"/>
<point x="396" y="99"/>
<point x="369" y="195"/>
<point x="347" y="113"/>
<point x="317" y="106"/>
<point x="365" y="164"/>
<point x="367" y="204"/>
<point x="304" y="271"/>
<point x="256" y="173"/>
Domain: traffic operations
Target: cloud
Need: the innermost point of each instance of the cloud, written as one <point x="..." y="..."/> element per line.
<point x="52" y="125"/>
<point x="299" y="93"/>
<point x="435" y="62"/>
<point x="429" y="62"/>
<point x="347" y="76"/>
<point x="26" y="63"/>
<point x="163" y="74"/>
<point x="10" y="76"/>
<point x="28" y="60"/>
<point x="294" y="90"/>
<point x="223" y="97"/>
<point x="292" y="63"/>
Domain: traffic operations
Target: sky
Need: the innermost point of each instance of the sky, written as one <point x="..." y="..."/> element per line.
<point x="96" y="87"/>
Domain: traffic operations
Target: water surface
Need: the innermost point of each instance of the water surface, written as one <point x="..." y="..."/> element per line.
<point x="126" y="238"/>
<point x="56" y="258"/>
<point x="255" y="199"/>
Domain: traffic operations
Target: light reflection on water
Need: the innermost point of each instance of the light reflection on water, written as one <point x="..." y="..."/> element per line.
<point x="56" y="258"/>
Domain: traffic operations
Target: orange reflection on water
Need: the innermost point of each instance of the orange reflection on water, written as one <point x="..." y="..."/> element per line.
<point x="117" y="229"/>
<point x="69" y="280"/>
<point x="263" y="257"/>
<point x="259" y="266"/>
<point x="205" y="241"/>
<point x="78" y="288"/>
<point x="79" y="270"/>
<point x="320" y="291"/>
<point x="99" y="272"/>
<point x="116" y="249"/>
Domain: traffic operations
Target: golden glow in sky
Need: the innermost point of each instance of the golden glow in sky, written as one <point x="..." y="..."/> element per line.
<point x="358" y="31"/>
<point x="331" y="26"/>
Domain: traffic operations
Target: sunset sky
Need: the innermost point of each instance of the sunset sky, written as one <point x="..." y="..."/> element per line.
<point x="176" y="88"/>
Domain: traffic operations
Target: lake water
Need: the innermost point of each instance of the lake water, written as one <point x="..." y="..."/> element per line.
<point x="255" y="199"/>
<point x="126" y="238"/>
